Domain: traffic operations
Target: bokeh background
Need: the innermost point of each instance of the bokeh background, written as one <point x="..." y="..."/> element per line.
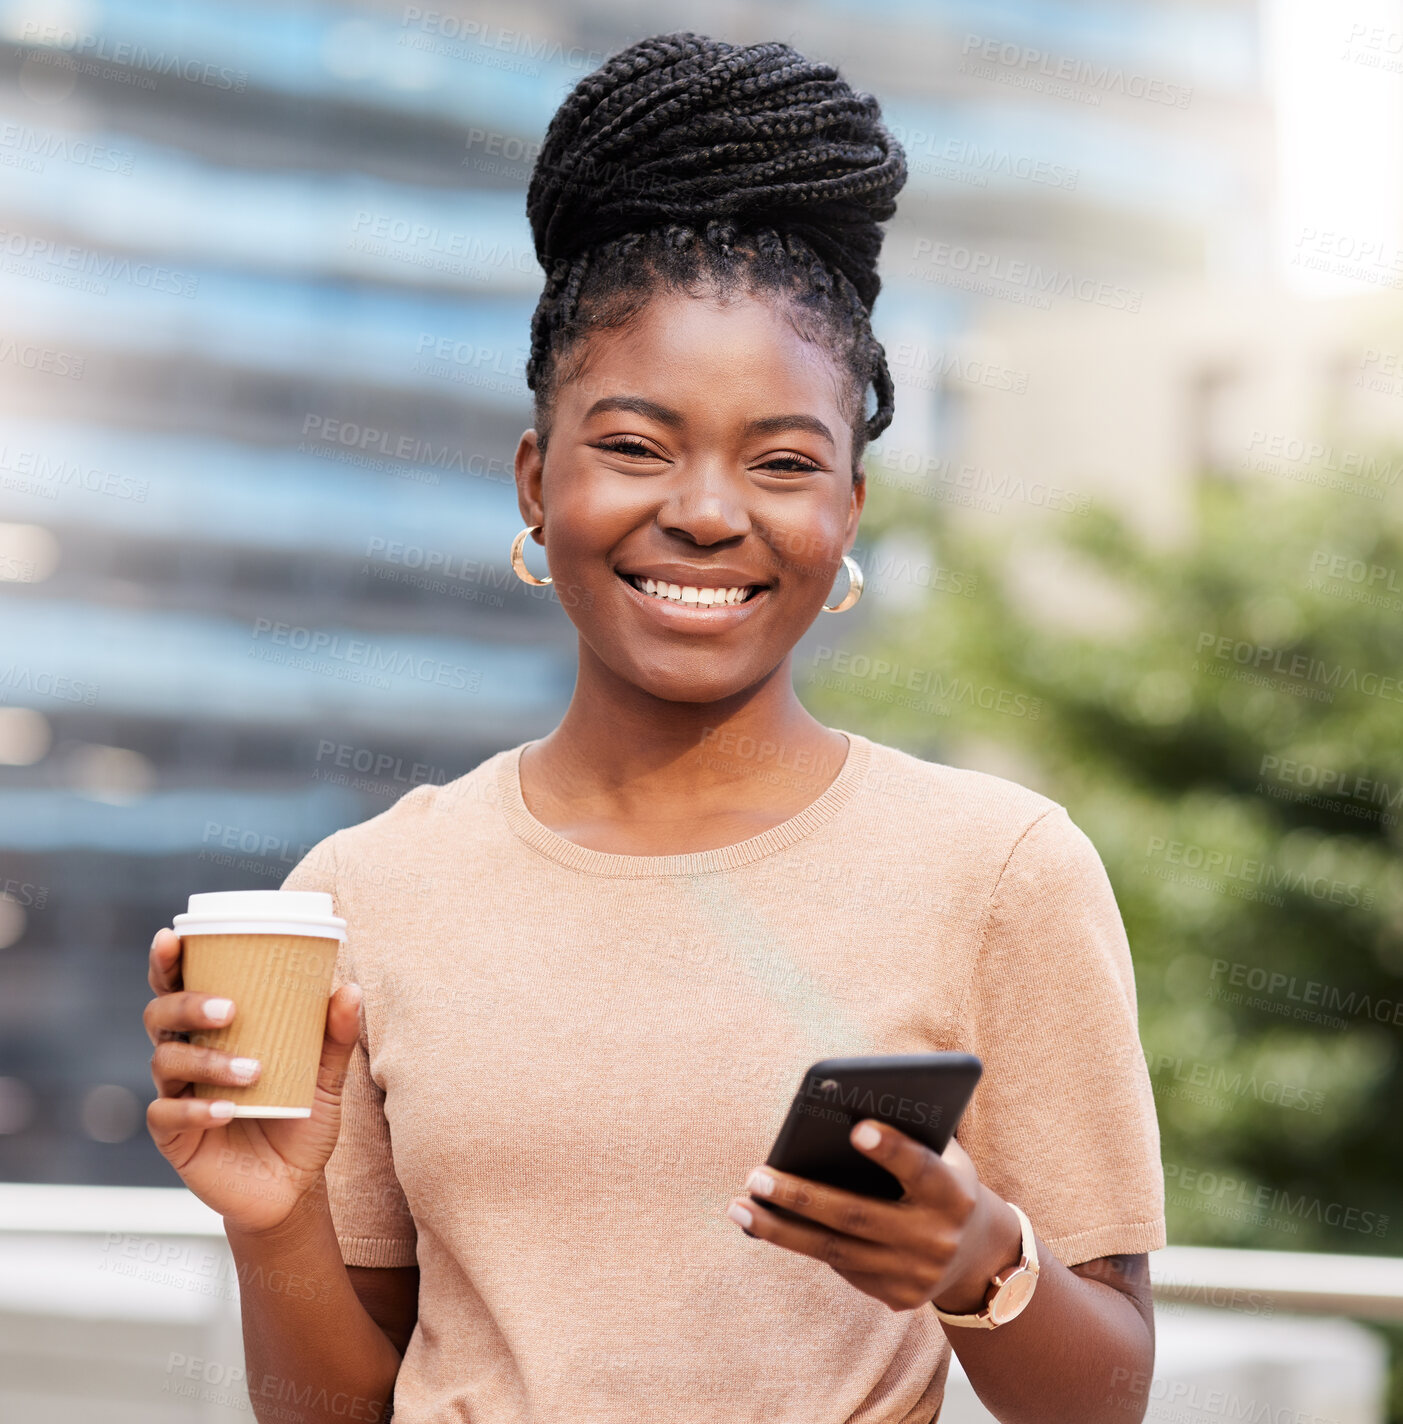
<point x="1135" y="537"/>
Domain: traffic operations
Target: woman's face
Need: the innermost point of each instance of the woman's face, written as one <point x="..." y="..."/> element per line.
<point x="706" y="446"/>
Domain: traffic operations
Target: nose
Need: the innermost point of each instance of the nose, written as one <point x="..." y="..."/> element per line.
<point x="705" y="503"/>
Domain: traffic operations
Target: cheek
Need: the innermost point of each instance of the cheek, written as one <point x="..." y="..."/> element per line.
<point x="808" y="548"/>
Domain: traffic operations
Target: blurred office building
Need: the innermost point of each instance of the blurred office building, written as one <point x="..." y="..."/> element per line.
<point x="266" y="280"/>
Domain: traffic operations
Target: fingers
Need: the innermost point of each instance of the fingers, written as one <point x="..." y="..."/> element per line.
<point x="343" y="1015"/>
<point x="163" y="963"/>
<point x="848" y="1255"/>
<point x="342" y="1030"/>
<point x="185" y="1011"/>
<point x="867" y="1218"/>
<point x="167" y="1118"/>
<point x="927" y="1178"/>
<point x="174" y="1064"/>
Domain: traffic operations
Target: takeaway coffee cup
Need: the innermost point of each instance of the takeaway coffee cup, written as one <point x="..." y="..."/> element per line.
<point x="273" y="952"/>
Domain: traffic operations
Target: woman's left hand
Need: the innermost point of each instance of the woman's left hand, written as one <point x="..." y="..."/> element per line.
<point x="943" y="1241"/>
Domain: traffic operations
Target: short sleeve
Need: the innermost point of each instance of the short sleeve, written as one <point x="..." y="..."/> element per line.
<point x="374" y="1225"/>
<point x="1063" y="1121"/>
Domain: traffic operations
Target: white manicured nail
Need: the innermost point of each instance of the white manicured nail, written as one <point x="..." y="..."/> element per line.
<point x="243" y="1068"/>
<point x="218" y="1009"/>
<point x="739" y="1215"/>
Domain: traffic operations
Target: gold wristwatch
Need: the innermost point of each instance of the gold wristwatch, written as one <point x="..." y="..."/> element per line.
<point x="1010" y="1291"/>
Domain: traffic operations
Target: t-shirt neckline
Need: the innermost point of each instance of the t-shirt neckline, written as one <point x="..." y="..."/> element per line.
<point x="541" y="837"/>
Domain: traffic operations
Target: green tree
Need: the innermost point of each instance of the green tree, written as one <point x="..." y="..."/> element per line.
<point x="1225" y="721"/>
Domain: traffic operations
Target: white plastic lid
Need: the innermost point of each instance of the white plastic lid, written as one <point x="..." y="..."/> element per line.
<point x="291" y="912"/>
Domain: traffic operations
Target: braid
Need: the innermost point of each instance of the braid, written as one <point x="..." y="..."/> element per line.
<point x="686" y="159"/>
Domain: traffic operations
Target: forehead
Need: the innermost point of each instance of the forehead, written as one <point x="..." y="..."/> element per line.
<point x="708" y="355"/>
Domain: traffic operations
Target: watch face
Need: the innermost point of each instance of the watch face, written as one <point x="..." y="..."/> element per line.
<point x="1013" y="1296"/>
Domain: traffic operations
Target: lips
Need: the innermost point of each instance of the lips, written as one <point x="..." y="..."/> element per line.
<point x="693" y="605"/>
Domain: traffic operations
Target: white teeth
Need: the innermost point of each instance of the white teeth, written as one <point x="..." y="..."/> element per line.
<point x="689" y="593"/>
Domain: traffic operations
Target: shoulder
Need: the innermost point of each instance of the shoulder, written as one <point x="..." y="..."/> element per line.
<point x="391" y="842"/>
<point x="960" y="808"/>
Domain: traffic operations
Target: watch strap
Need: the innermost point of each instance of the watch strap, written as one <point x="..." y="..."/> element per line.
<point x="1026" y="1267"/>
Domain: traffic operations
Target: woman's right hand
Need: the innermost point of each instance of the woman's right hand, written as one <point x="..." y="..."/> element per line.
<point x="251" y="1170"/>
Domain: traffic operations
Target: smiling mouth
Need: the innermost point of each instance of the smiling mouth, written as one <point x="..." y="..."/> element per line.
<point x="693" y="596"/>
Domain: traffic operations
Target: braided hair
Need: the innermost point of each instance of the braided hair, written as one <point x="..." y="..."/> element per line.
<point x="684" y="160"/>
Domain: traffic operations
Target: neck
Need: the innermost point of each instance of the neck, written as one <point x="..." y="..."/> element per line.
<point x="633" y="756"/>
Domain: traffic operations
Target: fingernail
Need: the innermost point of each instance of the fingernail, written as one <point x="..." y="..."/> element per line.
<point x="218" y="1009"/>
<point x="867" y="1135"/>
<point x="761" y="1183"/>
<point x="739" y="1215"/>
<point x="243" y="1068"/>
<point x="221" y="1108"/>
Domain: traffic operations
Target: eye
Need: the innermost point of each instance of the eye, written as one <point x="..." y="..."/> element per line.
<point x="633" y="448"/>
<point x="796" y="463"/>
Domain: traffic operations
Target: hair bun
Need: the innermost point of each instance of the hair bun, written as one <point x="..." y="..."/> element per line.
<point x="682" y="129"/>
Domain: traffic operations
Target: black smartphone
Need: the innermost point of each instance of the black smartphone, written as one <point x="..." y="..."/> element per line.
<point x="920" y="1094"/>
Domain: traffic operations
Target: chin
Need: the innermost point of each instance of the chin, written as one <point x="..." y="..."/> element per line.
<point x="688" y="687"/>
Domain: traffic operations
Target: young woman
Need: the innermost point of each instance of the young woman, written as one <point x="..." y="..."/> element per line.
<point x="583" y="981"/>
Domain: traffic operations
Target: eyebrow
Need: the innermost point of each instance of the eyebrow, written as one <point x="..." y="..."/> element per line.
<point x="764" y="425"/>
<point x="639" y="406"/>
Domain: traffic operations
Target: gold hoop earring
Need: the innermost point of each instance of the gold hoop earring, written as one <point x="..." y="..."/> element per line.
<point x="519" y="559"/>
<point x="854" y="587"/>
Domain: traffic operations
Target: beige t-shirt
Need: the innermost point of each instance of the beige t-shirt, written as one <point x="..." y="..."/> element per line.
<point x="570" y="1060"/>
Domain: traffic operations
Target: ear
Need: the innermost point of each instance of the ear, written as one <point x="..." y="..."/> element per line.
<point x="859" y="498"/>
<point x="530" y="472"/>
